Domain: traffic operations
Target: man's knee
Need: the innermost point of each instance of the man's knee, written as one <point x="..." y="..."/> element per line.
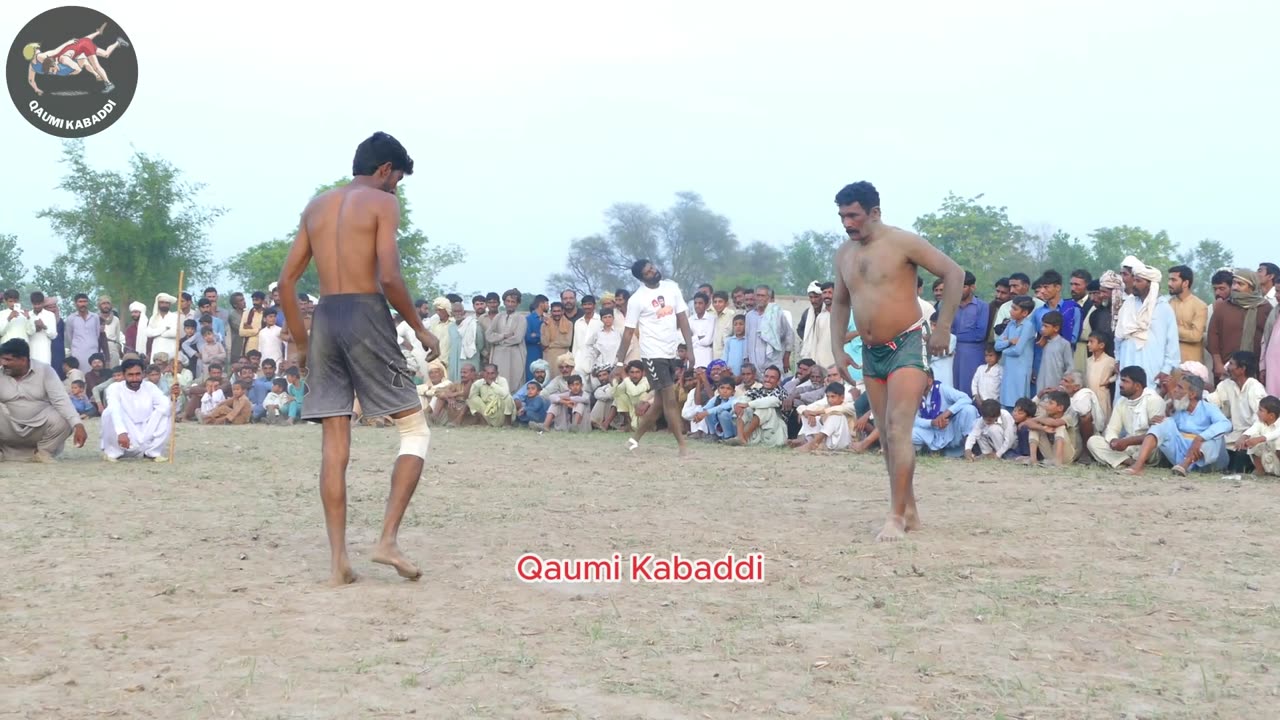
<point x="415" y="436"/>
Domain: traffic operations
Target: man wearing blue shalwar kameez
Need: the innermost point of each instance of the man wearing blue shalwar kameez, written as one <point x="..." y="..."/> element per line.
<point x="1194" y="438"/>
<point x="969" y="329"/>
<point x="946" y="416"/>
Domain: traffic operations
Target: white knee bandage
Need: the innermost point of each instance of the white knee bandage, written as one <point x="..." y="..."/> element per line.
<point x="415" y="436"/>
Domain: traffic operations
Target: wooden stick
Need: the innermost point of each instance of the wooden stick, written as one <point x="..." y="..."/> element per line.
<point x="177" y="352"/>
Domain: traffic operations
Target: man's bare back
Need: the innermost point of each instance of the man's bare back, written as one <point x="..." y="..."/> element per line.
<point x="352" y="348"/>
<point x="342" y="227"/>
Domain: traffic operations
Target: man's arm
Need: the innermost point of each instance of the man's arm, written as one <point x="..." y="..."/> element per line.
<point x="682" y="321"/>
<point x="295" y="264"/>
<point x="388" y="259"/>
<point x="840" y="321"/>
<point x="625" y="345"/>
<point x="924" y="255"/>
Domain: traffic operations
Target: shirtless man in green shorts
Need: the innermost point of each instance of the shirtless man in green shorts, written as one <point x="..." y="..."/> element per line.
<point x="875" y="276"/>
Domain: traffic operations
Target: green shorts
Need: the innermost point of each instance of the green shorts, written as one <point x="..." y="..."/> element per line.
<point x="907" y="350"/>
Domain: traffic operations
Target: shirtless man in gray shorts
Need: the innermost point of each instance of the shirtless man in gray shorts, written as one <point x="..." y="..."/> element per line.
<point x="352" y="349"/>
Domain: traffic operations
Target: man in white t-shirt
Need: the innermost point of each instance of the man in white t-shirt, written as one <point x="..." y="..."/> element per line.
<point x="658" y="310"/>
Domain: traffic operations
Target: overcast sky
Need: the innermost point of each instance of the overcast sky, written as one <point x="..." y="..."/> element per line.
<point x="527" y="120"/>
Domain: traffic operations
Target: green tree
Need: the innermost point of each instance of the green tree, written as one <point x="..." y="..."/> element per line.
<point x="689" y="242"/>
<point x="808" y="257"/>
<point x="422" y="263"/>
<point x="130" y="234"/>
<point x="1066" y="255"/>
<point x="12" y="271"/>
<point x="980" y="238"/>
<point x="758" y="264"/>
<point x="1206" y="258"/>
<point x="1112" y="244"/>
<point x="61" y="279"/>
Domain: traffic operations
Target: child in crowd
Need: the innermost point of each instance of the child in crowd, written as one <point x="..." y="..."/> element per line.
<point x="986" y="381"/>
<point x="80" y="401"/>
<point x="211" y="399"/>
<point x="1015" y="345"/>
<point x="735" y="348"/>
<point x="276" y="404"/>
<point x="1100" y="371"/>
<point x="568" y="410"/>
<point x="71" y="369"/>
<point x="1023" y="411"/>
<point x="1055" y="358"/>
<point x="235" y="410"/>
<point x="533" y="409"/>
<point x="718" y="412"/>
<point x="1262" y="439"/>
<point x="994" y="433"/>
<point x="1054" y="435"/>
<point x="297" y="390"/>
<point x="824" y="424"/>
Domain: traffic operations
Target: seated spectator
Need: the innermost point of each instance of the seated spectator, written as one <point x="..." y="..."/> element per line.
<point x="235" y="410"/>
<point x="1130" y="419"/>
<point x="824" y="424"/>
<point x="212" y="398"/>
<point x="1055" y="435"/>
<point x="136" y="421"/>
<point x="945" y="418"/>
<point x="758" y="413"/>
<point x="1262" y="441"/>
<point x="276" y="404"/>
<point x="567" y="410"/>
<point x="534" y="407"/>
<point x="994" y="434"/>
<point x="490" y="399"/>
<point x="718" y="412"/>
<point x="81" y="402"/>
<point x="633" y="396"/>
<point x="1194" y="438"/>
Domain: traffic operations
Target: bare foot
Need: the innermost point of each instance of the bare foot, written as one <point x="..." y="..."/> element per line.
<point x="804" y="448"/>
<point x="684" y="452"/>
<point x="342" y="574"/>
<point x="391" y="555"/>
<point x="911" y="520"/>
<point x="894" y="530"/>
<point x="1130" y="471"/>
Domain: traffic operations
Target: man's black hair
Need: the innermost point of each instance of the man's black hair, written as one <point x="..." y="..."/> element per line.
<point x="377" y="150"/>
<point x="863" y="193"/>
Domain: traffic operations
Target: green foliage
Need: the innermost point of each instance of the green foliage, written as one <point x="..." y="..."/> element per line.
<point x="421" y="262"/>
<point x="1112" y="244"/>
<point x="978" y="237"/>
<point x="1206" y="258"/>
<point x="61" y="280"/>
<point x="1066" y="255"/>
<point x="128" y="234"/>
<point x="808" y="257"/>
<point x="12" y="271"/>
<point x="259" y="266"/>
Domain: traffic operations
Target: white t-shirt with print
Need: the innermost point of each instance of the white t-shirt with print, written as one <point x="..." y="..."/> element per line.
<point x="654" y="311"/>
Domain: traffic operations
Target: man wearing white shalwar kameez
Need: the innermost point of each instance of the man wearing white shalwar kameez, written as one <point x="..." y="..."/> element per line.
<point x="135" y="422"/>
<point x="162" y="329"/>
<point x="1146" y="328"/>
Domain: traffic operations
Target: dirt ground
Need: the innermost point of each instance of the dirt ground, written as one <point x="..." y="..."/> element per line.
<point x="195" y="590"/>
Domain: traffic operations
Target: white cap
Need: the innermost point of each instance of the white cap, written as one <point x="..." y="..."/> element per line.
<point x="272" y="287"/>
<point x="814" y="288"/>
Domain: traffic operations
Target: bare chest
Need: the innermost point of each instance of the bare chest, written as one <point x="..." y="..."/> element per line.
<point x="878" y="267"/>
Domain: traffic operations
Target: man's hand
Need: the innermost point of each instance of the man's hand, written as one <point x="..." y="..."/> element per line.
<point x="123" y="439"/>
<point x="699" y="416"/>
<point x="13" y="313"/>
<point x="430" y="343"/>
<point x="940" y="342"/>
<point x="1117" y="445"/>
<point x="1157" y="420"/>
<point x="968" y="455"/>
<point x="80" y="436"/>
<point x="39" y="324"/>
<point x="843" y="363"/>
